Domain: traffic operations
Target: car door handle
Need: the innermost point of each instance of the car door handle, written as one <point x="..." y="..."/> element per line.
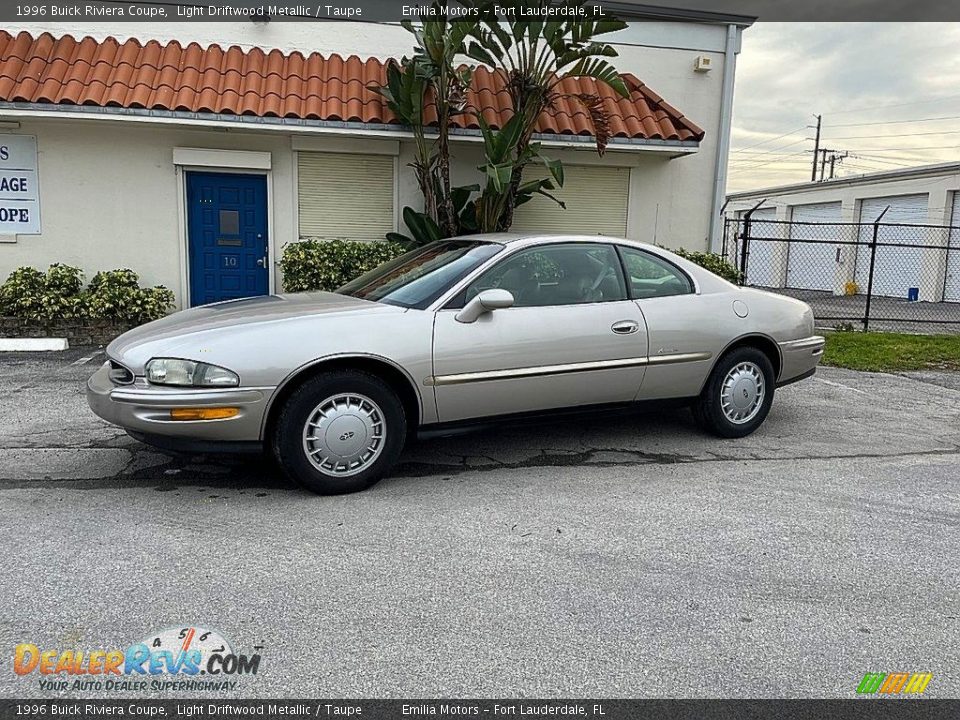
<point x="625" y="327"/>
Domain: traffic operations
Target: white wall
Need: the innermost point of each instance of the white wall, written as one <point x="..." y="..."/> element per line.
<point x="108" y="194"/>
<point x="673" y="197"/>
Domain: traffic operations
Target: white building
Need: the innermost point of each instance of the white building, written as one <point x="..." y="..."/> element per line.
<point x="193" y="152"/>
<point x="927" y="195"/>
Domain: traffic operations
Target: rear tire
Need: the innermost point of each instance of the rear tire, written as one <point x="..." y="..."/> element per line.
<point x="738" y="394"/>
<point x="340" y="432"/>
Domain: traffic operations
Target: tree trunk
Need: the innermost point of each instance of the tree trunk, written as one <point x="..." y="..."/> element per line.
<point x="516" y="177"/>
<point x="506" y="218"/>
<point x="447" y="215"/>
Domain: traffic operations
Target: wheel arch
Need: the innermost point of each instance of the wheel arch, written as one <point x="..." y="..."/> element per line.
<point x="388" y="371"/>
<point x="764" y="343"/>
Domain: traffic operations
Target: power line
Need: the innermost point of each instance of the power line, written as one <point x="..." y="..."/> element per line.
<point x="762" y="152"/>
<point x="897" y="122"/>
<point x="782" y="161"/>
<point x="764" y="142"/>
<point x="904" y="162"/>
<point x="772" y="151"/>
<point x="858" y="137"/>
<point x="884" y="107"/>
<point x="913" y="148"/>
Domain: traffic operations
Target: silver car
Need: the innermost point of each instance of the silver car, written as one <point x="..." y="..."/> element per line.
<point x="476" y="328"/>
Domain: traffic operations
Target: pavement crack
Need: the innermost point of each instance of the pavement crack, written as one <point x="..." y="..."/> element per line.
<point x="594" y="458"/>
<point x="218" y="473"/>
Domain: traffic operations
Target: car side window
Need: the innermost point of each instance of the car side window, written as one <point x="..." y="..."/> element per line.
<point x="650" y="276"/>
<point x="561" y="274"/>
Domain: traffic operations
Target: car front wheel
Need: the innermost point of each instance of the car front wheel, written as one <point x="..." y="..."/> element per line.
<point x="738" y="394"/>
<point x="340" y="432"/>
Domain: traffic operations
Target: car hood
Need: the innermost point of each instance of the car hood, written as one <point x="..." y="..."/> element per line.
<point x="182" y="329"/>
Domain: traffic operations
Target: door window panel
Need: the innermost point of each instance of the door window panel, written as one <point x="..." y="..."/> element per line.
<point x="650" y="276"/>
<point x="565" y="274"/>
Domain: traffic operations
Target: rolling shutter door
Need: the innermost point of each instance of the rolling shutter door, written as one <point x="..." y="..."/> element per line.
<point x="812" y="266"/>
<point x="896" y="268"/>
<point x="760" y="262"/>
<point x="951" y="290"/>
<point x="596" y="197"/>
<point x="345" y="196"/>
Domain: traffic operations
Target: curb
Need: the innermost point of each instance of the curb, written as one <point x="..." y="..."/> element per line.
<point x="33" y="344"/>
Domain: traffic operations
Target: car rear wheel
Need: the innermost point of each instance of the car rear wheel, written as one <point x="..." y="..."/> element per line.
<point x="340" y="432"/>
<point x="738" y="394"/>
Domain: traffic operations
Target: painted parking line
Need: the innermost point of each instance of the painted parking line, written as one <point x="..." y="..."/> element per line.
<point x="85" y="360"/>
<point x="841" y="386"/>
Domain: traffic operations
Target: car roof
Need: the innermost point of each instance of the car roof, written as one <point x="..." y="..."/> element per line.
<point x="532" y="238"/>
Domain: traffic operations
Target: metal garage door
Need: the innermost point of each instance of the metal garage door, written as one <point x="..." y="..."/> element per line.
<point x="596" y="197"/>
<point x="812" y="266"/>
<point x="897" y="268"/>
<point x="760" y="262"/>
<point x="951" y="290"/>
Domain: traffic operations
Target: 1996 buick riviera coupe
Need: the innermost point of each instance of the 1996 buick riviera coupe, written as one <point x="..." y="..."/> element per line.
<point x="466" y="329"/>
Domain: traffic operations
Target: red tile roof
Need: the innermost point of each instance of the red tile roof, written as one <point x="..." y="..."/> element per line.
<point x="169" y="76"/>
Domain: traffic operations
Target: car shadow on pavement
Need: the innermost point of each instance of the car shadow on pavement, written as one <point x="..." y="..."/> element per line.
<point x="621" y="438"/>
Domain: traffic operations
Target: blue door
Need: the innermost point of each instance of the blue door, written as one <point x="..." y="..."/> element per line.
<point x="227" y="235"/>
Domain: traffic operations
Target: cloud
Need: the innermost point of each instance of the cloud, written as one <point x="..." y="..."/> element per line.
<point x="851" y="73"/>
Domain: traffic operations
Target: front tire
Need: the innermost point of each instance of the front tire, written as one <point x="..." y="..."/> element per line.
<point x="738" y="394"/>
<point x="340" y="432"/>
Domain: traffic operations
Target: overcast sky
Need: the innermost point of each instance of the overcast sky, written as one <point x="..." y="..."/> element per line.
<point x="896" y="76"/>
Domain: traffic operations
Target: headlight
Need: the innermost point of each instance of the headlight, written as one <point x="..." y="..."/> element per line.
<point x="171" y="371"/>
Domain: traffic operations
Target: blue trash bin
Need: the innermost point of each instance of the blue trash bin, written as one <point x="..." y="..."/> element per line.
<point x="913" y="294"/>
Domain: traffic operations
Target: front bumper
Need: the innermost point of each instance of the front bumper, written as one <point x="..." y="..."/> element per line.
<point x="799" y="358"/>
<point x="144" y="409"/>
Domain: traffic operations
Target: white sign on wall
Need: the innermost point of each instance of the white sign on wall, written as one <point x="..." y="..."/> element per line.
<point x="19" y="190"/>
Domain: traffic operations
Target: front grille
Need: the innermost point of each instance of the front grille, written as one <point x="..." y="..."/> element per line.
<point x="119" y="374"/>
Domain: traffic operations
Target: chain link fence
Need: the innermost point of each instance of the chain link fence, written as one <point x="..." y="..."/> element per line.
<point x="874" y="276"/>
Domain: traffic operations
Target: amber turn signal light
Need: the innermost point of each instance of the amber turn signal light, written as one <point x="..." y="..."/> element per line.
<point x="205" y="413"/>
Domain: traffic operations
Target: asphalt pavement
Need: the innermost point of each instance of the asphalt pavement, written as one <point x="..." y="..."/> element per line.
<point x="628" y="556"/>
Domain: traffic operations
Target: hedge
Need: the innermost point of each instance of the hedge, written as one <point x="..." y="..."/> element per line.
<point x="58" y="294"/>
<point x="327" y="264"/>
<point x="713" y="262"/>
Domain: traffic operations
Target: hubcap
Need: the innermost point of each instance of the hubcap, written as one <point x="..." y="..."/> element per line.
<point x="344" y="434"/>
<point x="742" y="393"/>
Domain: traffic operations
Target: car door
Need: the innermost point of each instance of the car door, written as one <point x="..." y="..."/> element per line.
<point x="679" y="331"/>
<point x="571" y="338"/>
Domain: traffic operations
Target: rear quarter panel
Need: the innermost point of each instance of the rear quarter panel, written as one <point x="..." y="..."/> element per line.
<point x="707" y="323"/>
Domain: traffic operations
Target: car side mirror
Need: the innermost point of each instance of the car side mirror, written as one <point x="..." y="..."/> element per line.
<point x="484" y="302"/>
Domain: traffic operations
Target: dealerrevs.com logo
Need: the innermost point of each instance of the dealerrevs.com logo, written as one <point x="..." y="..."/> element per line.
<point x="894" y="683"/>
<point x="181" y="659"/>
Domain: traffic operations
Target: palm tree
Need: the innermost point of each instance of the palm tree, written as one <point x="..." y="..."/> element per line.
<point x="534" y="56"/>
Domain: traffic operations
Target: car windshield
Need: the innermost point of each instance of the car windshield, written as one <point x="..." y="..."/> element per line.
<point x="417" y="278"/>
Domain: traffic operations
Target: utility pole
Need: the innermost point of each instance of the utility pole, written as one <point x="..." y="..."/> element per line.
<point x="828" y="155"/>
<point x="816" y="149"/>
<point x="833" y="159"/>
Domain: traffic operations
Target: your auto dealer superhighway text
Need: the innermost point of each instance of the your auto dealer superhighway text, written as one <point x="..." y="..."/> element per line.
<point x="195" y="709"/>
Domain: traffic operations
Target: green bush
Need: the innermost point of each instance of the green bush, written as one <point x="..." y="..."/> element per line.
<point x="31" y="294"/>
<point x="327" y="264"/>
<point x="713" y="262"/>
<point x="22" y="294"/>
<point x="117" y="295"/>
<point x="59" y="294"/>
